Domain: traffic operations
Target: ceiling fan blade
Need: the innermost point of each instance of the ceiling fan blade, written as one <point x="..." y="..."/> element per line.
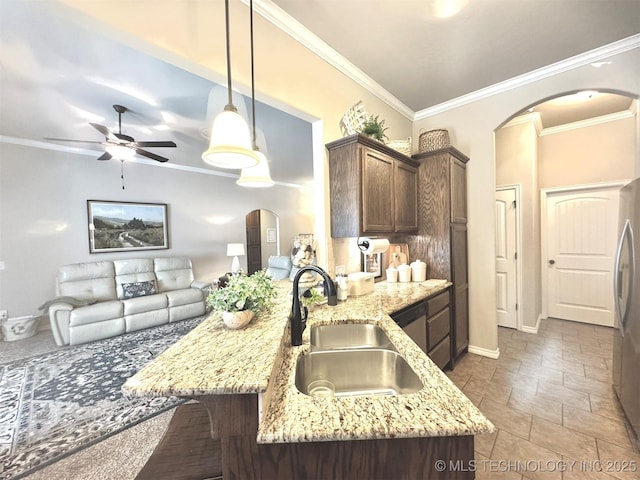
<point x="122" y="136"/>
<point x="69" y="140"/>
<point x="105" y="131"/>
<point x="105" y="156"/>
<point x="156" y="144"/>
<point x="150" y="155"/>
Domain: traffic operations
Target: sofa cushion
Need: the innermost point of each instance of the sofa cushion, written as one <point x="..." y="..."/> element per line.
<point x="87" y="281"/>
<point x="146" y="319"/>
<point x="279" y="267"/>
<point x="96" y="312"/>
<point x="133" y="270"/>
<point x="173" y="273"/>
<point x="143" y="304"/>
<point x="138" y="289"/>
<point x="184" y="296"/>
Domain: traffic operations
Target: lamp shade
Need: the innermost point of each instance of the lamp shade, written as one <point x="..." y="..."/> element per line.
<point x="230" y="142"/>
<point x="257" y="176"/>
<point x="234" y="249"/>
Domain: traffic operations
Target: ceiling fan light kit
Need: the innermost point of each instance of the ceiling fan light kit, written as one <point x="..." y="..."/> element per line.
<point x="120" y="152"/>
<point x="230" y="140"/>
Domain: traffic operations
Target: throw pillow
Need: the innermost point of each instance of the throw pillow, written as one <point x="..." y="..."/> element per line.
<point x="138" y="289"/>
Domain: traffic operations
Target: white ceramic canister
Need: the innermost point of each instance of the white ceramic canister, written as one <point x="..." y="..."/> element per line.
<point x="404" y="273"/>
<point x="418" y="271"/>
<point x="392" y="275"/>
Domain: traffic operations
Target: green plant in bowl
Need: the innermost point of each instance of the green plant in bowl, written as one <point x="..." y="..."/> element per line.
<point x="244" y="292"/>
<point x="374" y="127"/>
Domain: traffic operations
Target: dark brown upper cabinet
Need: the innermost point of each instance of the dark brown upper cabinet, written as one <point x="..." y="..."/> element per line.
<point x="373" y="188"/>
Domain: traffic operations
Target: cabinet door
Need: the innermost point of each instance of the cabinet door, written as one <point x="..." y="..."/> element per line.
<point x="377" y="192"/>
<point x="406" y="198"/>
<point x="460" y="324"/>
<point x="458" y="191"/>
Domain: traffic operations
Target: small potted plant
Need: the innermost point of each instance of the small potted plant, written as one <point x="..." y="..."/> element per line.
<point x="244" y="297"/>
<point x="374" y="127"/>
<point x="312" y="297"/>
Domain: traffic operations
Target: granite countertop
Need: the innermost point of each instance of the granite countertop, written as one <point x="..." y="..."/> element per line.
<point x="213" y="360"/>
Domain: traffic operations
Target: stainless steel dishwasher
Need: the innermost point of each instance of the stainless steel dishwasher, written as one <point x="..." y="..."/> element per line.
<point x="413" y="320"/>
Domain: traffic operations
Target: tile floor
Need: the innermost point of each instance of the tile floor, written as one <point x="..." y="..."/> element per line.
<point x="551" y="399"/>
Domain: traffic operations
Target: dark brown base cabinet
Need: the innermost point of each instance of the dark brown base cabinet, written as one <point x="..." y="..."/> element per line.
<point x="443" y="221"/>
<point x="428" y="324"/>
<point x="234" y="421"/>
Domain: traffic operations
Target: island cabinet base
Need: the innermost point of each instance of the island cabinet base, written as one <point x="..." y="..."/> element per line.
<point x="234" y="420"/>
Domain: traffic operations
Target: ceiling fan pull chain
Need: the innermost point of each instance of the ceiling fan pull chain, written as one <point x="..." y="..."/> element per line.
<point x="122" y="172"/>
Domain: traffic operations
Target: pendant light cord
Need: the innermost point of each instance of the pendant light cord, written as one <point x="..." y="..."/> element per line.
<point x="230" y="97"/>
<point x="253" y="89"/>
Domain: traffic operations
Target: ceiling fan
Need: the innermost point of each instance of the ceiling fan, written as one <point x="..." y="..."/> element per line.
<point x="121" y="146"/>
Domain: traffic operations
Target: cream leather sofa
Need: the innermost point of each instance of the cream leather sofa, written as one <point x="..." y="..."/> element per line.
<point x="103" y="299"/>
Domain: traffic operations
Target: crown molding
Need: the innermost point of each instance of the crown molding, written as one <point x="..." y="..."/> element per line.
<point x="527" y="118"/>
<point x="289" y="25"/>
<point x="580" y="60"/>
<point x="589" y="122"/>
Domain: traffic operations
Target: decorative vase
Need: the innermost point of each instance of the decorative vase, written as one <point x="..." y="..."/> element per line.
<point x="303" y="253"/>
<point x="237" y="320"/>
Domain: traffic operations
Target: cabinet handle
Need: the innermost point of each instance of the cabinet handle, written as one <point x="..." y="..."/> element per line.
<point x="552" y="261"/>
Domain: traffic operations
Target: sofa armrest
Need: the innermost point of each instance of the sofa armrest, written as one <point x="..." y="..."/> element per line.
<point x="59" y="314"/>
<point x="201" y="285"/>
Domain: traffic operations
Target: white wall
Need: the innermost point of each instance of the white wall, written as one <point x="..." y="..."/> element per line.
<point x="472" y="127"/>
<point x="43" y="216"/>
<point x="597" y="153"/>
<point x="517" y="163"/>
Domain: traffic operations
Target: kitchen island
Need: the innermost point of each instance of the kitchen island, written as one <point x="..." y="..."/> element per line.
<point x="268" y="429"/>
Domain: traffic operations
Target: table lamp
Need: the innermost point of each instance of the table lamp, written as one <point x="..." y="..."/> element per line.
<point x="234" y="250"/>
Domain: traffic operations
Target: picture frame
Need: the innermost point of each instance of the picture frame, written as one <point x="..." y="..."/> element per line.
<point x="372" y="263"/>
<point x="271" y="235"/>
<point x="396" y="254"/>
<point x="127" y="226"/>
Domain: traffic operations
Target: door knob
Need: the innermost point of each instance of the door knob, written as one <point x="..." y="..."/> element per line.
<point x="552" y="261"/>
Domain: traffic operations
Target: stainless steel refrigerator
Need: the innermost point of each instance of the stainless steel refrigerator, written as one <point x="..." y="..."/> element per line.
<point x="626" y="344"/>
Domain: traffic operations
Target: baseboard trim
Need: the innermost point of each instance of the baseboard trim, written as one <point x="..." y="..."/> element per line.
<point x="534" y="330"/>
<point x="485" y="352"/>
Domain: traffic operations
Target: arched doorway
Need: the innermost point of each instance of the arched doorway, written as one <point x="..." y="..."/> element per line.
<point x="263" y="238"/>
<point x="576" y="138"/>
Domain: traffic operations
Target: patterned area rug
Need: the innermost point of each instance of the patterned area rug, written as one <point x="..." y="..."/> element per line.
<point x="55" y="404"/>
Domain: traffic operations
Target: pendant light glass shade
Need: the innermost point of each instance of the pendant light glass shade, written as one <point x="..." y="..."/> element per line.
<point x="230" y="142"/>
<point x="257" y="176"/>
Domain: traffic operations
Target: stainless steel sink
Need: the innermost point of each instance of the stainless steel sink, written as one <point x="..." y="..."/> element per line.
<point x="360" y="372"/>
<point x="349" y="336"/>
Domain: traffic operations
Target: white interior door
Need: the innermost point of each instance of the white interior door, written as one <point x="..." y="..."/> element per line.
<point x="581" y="230"/>
<point x="506" y="259"/>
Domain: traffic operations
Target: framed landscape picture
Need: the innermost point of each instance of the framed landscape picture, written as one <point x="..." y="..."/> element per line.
<point x="125" y="226"/>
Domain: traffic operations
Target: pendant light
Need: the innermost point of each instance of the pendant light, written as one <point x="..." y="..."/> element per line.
<point x="257" y="176"/>
<point x="230" y="140"/>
